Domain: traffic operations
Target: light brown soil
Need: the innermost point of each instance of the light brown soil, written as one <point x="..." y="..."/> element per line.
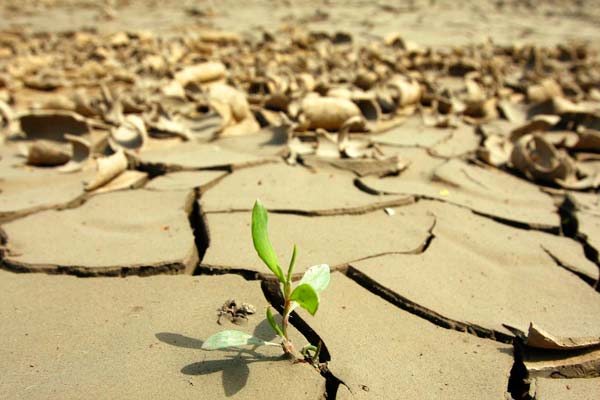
<point x="454" y="195"/>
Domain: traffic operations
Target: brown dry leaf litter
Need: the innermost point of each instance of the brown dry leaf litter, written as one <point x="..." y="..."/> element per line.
<point x="137" y="85"/>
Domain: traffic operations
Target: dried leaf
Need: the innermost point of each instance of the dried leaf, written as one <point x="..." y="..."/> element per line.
<point x="327" y="113"/>
<point x="545" y="90"/>
<point x="539" y="123"/>
<point x="539" y="338"/>
<point x="128" y="179"/>
<point x="540" y="160"/>
<point x="108" y="168"/>
<point x="48" y="154"/>
<point x="201" y="73"/>
<point x="496" y="151"/>
<point x="131" y="135"/>
<point x="52" y="125"/>
<point x="404" y="91"/>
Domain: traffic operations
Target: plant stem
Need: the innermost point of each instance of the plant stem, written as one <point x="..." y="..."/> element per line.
<point x="288" y="348"/>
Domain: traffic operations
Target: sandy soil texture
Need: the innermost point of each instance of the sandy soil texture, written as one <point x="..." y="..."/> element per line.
<point x="442" y="157"/>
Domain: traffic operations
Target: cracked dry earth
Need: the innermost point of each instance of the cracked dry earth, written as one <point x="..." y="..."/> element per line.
<point x="452" y="187"/>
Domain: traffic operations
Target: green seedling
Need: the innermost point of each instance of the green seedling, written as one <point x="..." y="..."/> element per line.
<point x="305" y="294"/>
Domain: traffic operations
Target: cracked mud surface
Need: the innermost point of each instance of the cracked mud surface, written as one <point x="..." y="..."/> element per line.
<point x="480" y="265"/>
<point x="447" y="172"/>
<point x="295" y="190"/>
<point x="156" y="334"/>
<point x="483" y="190"/>
<point x="400" y="347"/>
<point x="111" y="234"/>
<point x="355" y="237"/>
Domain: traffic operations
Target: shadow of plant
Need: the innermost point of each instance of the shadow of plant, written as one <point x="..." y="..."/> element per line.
<point x="235" y="364"/>
<point x="235" y="369"/>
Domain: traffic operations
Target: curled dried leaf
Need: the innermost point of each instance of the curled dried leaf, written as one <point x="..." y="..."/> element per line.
<point x="47" y="154"/>
<point x="231" y="97"/>
<point x="404" y="91"/>
<point x="131" y="135"/>
<point x="545" y="90"/>
<point x="540" y="160"/>
<point x="327" y="113"/>
<point x="539" y="123"/>
<point x="108" y="168"/>
<point x="52" y="124"/>
<point x="496" y="150"/>
<point x="232" y="105"/>
<point x="201" y="73"/>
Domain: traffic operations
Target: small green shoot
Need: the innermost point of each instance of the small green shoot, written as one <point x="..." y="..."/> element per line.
<point x="305" y="295"/>
<point x="262" y="244"/>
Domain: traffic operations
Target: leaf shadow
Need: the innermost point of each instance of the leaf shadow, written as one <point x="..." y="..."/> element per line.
<point x="234" y="367"/>
<point x="175" y="339"/>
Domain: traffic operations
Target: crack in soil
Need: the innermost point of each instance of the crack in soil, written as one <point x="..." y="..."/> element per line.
<point x="570" y="228"/>
<point x="217" y="270"/>
<point x="73" y="203"/>
<point x="474" y="180"/>
<point x="580" y="275"/>
<point x="343" y="268"/>
<point x="87" y="272"/>
<point x="152" y="170"/>
<point x="417" y="197"/>
<point x="199" y="228"/>
<point x="519" y="385"/>
<point x="423" y="312"/>
<point x="207" y="269"/>
<point x="360" y="210"/>
<point x="518" y="225"/>
<point x="156" y="168"/>
<point x="272" y="292"/>
<point x="201" y="241"/>
<point x="3" y="241"/>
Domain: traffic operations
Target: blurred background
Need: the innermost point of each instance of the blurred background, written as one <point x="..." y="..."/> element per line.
<point x="426" y="22"/>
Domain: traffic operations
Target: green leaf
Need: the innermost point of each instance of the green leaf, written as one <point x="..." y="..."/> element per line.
<point x="260" y="237"/>
<point x="291" y="267"/>
<point x="306" y="296"/>
<point x="272" y="322"/>
<point x="317" y="276"/>
<point x="233" y="338"/>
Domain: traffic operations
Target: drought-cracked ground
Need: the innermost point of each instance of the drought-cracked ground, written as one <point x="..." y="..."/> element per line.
<point x="442" y="158"/>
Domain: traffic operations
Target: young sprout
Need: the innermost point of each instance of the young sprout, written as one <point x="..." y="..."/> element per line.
<point x="305" y="295"/>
